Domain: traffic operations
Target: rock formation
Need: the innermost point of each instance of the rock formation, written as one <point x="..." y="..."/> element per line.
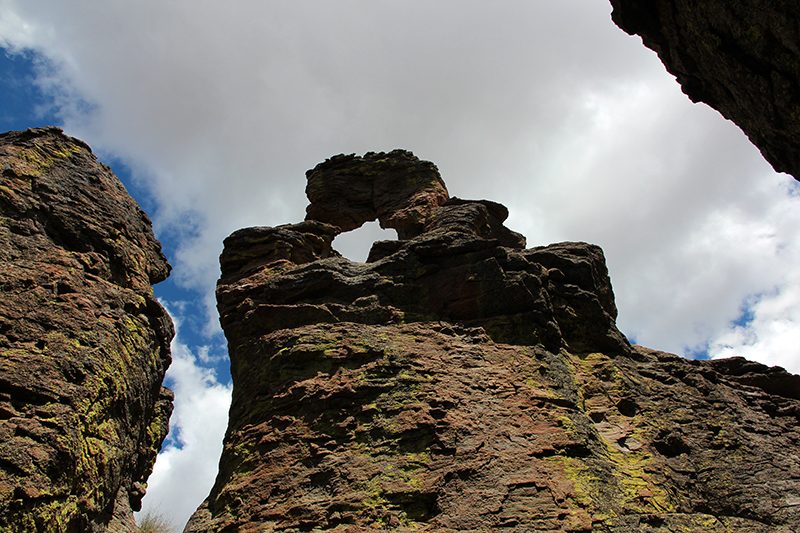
<point x="458" y="381"/>
<point x="741" y="58"/>
<point x="83" y="343"/>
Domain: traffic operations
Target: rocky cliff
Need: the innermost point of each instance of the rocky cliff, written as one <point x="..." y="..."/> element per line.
<point x="459" y="381"/>
<point x="741" y="58"/>
<point x="83" y="343"/>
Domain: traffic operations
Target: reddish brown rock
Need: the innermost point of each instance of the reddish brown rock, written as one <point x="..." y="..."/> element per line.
<point x="83" y="343"/>
<point x="396" y="188"/>
<point x="460" y="382"/>
<point x="741" y="58"/>
<point x="482" y="218"/>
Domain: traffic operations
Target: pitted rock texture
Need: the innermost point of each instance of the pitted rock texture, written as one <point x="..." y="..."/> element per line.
<point x="84" y="345"/>
<point x="741" y="58"/>
<point x="454" y="383"/>
<point x="396" y="188"/>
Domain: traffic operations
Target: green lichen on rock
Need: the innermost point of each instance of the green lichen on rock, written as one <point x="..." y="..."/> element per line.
<point x="458" y="381"/>
<point x="41" y="158"/>
<point x="84" y="344"/>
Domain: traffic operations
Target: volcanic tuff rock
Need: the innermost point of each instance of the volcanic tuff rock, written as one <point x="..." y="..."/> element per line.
<point x="460" y="382"/>
<point x="399" y="191"/>
<point x="741" y="58"/>
<point x="83" y="343"/>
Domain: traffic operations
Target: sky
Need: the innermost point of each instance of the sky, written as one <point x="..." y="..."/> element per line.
<point x="211" y="112"/>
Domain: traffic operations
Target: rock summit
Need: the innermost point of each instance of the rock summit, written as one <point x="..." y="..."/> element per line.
<point x="459" y="381"/>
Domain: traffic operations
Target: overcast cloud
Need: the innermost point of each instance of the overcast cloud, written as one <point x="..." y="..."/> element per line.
<point x="219" y="108"/>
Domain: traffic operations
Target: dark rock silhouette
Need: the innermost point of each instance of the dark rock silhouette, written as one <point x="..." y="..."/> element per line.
<point x="83" y="343"/>
<point x="741" y="58"/>
<point x="460" y="382"/>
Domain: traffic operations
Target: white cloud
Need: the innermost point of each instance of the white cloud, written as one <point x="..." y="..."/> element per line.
<point x="692" y="220"/>
<point x="770" y="333"/>
<point x="15" y="31"/>
<point x="355" y="245"/>
<point x="187" y="465"/>
<point x="773" y="334"/>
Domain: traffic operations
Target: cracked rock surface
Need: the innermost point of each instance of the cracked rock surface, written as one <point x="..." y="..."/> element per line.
<point x="459" y="381"/>
<point x="84" y="345"/>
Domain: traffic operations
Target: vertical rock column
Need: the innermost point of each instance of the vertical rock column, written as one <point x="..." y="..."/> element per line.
<point x="84" y="344"/>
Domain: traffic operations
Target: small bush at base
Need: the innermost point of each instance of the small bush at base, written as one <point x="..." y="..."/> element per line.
<point x="154" y="521"/>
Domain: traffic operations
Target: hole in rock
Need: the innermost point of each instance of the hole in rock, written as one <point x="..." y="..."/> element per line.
<point x="355" y="244"/>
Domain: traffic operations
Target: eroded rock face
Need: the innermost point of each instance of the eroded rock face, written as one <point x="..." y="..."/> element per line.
<point x="460" y="382"/>
<point x="741" y="58"/>
<point x="396" y="188"/>
<point x="84" y="345"/>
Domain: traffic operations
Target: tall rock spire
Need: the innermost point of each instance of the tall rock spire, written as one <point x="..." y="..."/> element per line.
<point x="84" y="345"/>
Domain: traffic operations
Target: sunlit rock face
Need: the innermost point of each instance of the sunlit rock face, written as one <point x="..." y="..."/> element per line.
<point x="741" y="58"/>
<point x="84" y="345"/>
<point x="459" y="381"/>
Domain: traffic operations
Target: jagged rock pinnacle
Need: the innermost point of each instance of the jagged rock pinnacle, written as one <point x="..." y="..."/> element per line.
<point x="458" y="381"/>
<point x="396" y="188"/>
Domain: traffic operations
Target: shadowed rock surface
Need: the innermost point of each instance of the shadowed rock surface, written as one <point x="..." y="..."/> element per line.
<point x="84" y="345"/>
<point x="741" y="58"/>
<point x="396" y="188"/>
<point x="458" y="381"/>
